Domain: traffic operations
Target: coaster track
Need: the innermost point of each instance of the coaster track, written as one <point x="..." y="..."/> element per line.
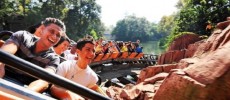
<point x="113" y="65"/>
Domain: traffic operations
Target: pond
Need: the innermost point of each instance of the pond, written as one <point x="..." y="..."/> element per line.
<point x="151" y="47"/>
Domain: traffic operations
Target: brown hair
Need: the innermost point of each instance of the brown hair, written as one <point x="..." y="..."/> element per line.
<point x="87" y="39"/>
<point x="58" y="22"/>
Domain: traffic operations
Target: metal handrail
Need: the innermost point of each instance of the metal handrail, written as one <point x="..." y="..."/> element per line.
<point x="38" y="72"/>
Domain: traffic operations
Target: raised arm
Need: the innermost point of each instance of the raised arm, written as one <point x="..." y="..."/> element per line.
<point x="63" y="94"/>
<point x="41" y="85"/>
<point x="9" y="47"/>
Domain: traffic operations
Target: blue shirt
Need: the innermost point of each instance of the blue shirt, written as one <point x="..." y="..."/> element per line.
<point x="139" y="49"/>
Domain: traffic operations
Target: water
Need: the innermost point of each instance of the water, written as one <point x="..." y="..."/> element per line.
<point x="151" y="47"/>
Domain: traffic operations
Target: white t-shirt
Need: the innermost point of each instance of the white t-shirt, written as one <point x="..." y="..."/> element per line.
<point x="67" y="51"/>
<point x="69" y="56"/>
<point x="69" y="69"/>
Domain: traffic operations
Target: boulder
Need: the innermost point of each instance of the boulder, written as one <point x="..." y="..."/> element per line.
<point x="205" y="76"/>
<point x="203" y="73"/>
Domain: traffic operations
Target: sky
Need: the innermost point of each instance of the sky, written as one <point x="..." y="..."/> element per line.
<point x="115" y="10"/>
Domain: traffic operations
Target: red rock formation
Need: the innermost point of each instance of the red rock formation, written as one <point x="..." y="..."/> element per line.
<point x="151" y="71"/>
<point x="192" y="48"/>
<point x="142" y="91"/>
<point x="204" y="76"/>
<point x="182" y="47"/>
<point x="184" y="41"/>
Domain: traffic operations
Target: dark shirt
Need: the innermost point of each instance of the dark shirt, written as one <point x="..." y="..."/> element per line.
<point x="106" y="50"/>
<point x="25" y="42"/>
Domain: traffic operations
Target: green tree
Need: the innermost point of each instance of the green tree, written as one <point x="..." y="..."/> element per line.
<point x="164" y="29"/>
<point x="132" y="28"/>
<point x="195" y="15"/>
<point x="7" y="9"/>
<point x="165" y="26"/>
<point x="94" y="34"/>
<point x="53" y="8"/>
<point x="82" y="17"/>
<point x="154" y="33"/>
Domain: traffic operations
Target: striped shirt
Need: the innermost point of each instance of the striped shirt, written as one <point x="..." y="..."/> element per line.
<point x="25" y="42"/>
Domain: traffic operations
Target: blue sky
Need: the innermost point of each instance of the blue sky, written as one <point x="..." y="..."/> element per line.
<point x="152" y="10"/>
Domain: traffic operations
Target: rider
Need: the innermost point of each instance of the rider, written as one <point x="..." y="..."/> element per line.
<point x="37" y="50"/>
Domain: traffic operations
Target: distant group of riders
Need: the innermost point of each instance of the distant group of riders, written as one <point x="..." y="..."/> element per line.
<point x="103" y="47"/>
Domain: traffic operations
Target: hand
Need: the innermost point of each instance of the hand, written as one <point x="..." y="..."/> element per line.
<point x="38" y="86"/>
<point x="64" y="94"/>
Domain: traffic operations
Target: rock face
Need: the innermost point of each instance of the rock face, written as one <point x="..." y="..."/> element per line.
<point x="184" y="41"/>
<point x="203" y="75"/>
<point x="206" y="75"/>
<point x="182" y="47"/>
<point x="151" y="71"/>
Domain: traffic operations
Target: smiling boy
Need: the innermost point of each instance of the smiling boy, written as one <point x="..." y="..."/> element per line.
<point x="37" y="50"/>
<point x="78" y="71"/>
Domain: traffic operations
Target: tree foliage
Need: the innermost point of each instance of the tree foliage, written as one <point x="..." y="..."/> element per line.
<point x="132" y="28"/>
<point x="164" y="29"/>
<point x="195" y="15"/>
<point x="192" y="16"/>
<point x="83" y="17"/>
<point x="80" y="16"/>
